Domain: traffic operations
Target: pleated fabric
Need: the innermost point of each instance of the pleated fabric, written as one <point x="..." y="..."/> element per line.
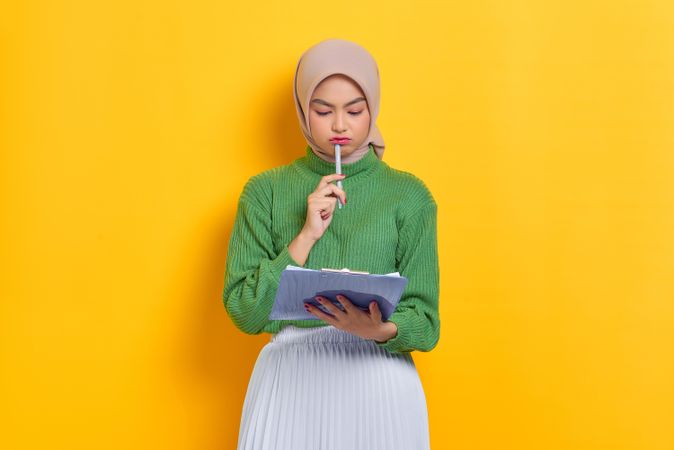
<point x="326" y="389"/>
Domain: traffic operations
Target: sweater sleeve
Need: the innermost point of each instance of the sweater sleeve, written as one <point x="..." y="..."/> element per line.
<point x="253" y="269"/>
<point x="417" y="316"/>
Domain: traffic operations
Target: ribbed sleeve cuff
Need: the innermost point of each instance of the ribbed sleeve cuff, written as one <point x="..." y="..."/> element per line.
<point x="278" y="264"/>
<point x="273" y="268"/>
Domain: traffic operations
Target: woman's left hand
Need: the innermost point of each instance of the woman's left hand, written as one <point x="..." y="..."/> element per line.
<point x="367" y="325"/>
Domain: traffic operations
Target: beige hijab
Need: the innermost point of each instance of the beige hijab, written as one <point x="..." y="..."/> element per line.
<point x="327" y="58"/>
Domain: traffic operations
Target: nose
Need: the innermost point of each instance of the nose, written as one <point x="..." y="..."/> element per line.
<point x="338" y="124"/>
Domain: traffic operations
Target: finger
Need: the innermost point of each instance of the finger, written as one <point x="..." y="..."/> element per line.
<point x="346" y="303"/>
<point x="323" y="208"/>
<point x="320" y="314"/>
<point x="332" y="190"/>
<point x="330" y="202"/>
<point x="324" y="204"/>
<point x="328" y="205"/>
<point x="375" y="312"/>
<point x="327" y="304"/>
<point x="330" y="178"/>
<point x="327" y="212"/>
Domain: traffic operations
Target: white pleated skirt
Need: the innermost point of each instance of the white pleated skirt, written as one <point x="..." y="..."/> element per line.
<point x="326" y="389"/>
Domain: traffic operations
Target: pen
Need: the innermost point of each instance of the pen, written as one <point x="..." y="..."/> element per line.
<point x="338" y="169"/>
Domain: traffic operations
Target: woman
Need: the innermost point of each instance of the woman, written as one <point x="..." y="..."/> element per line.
<point x="344" y="380"/>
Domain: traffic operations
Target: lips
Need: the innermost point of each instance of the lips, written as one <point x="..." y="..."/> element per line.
<point x="340" y="140"/>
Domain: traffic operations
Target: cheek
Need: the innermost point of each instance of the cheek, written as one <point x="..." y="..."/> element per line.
<point x="320" y="129"/>
<point x="364" y="123"/>
<point x="314" y="124"/>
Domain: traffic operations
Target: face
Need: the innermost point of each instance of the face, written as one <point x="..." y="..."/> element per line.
<point x="338" y="108"/>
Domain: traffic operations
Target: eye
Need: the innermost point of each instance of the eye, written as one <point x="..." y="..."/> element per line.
<point x="353" y="113"/>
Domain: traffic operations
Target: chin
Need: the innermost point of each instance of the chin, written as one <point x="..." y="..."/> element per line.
<point x="349" y="146"/>
<point x="343" y="151"/>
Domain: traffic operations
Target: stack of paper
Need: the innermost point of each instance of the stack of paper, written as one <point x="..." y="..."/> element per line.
<point x="299" y="285"/>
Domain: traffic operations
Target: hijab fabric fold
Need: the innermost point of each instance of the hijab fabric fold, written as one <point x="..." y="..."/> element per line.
<point x="338" y="56"/>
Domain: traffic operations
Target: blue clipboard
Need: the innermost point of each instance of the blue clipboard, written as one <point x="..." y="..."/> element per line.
<point x="299" y="285"/>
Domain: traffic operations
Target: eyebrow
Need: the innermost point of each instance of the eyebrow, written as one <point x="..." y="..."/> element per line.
<point x="323" y="102"/>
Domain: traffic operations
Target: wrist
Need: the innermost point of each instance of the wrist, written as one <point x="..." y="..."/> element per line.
<point x="306" y="238"/>
<point x="388" y="331"/>
<point x="300" y="247"/>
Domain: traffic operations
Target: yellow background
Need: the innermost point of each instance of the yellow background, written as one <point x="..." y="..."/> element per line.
<point x="545" y="131"/>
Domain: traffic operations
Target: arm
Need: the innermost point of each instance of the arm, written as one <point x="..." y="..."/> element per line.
<point x="417" y="316"/>
<point x="253" y="270"/>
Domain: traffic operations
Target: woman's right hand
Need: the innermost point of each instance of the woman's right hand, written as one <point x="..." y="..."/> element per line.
<point x="321" y="205"/>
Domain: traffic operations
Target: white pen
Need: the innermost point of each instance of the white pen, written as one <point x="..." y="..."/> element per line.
<point x="338" y="168"/>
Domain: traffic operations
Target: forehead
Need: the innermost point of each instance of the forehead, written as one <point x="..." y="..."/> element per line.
<point x="337" y="84"/>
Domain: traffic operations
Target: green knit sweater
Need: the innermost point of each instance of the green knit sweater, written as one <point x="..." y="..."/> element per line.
<point x="387" y="225"/>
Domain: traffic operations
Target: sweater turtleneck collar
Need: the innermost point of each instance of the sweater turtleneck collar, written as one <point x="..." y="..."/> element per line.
<point x="322" y="167"/>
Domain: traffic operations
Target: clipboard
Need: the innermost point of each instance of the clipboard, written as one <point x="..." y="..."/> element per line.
<point x="299" y="285"/>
